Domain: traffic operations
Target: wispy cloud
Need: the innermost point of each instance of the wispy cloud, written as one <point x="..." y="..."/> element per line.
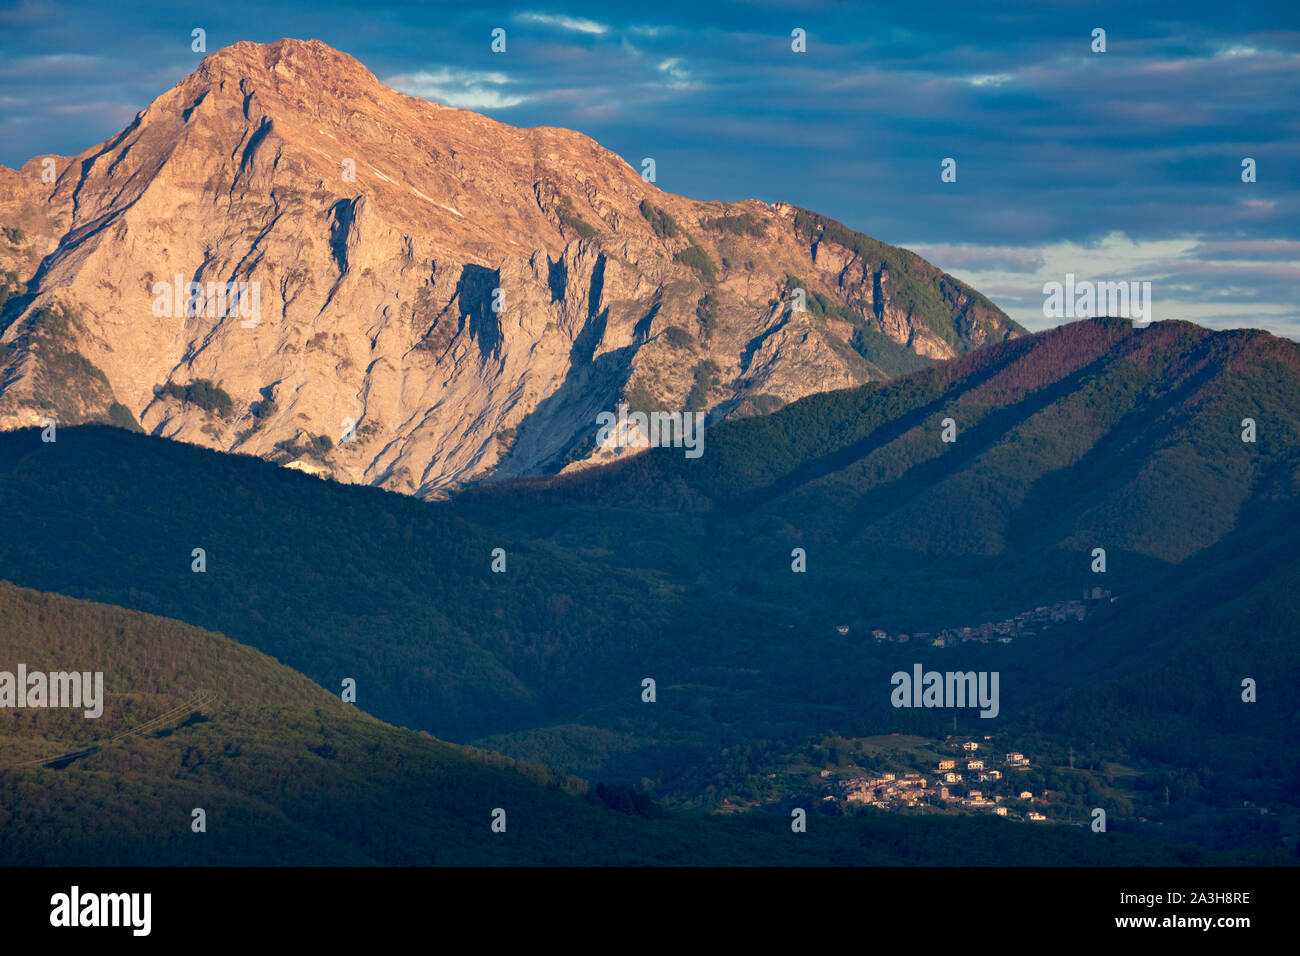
<point x="51" y="64"/>
<point x="679" y="77"/>
<point x="560" y="21"/>
<point x="467" y="89"/>
<point x="990" y="79"/>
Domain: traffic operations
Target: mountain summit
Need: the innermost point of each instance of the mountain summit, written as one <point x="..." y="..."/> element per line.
<point x="395" y="292"/>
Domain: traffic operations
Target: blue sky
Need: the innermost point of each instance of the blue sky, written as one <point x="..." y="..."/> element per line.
<point x="1112" y="166"/>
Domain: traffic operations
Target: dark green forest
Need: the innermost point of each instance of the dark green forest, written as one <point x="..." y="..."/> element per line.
<point x="288" y="774"/>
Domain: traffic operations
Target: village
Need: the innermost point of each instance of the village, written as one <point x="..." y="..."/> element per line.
<point x="1025" y="624"/>
<point x="967" y="780"/>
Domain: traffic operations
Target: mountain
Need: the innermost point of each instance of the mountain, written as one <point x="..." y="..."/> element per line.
<point x="288" y="774"/>
<point x="429" y="297"/>
<point x="1096" y="434"/>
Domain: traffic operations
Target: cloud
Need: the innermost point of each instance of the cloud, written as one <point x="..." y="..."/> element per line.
<point x="96" y="108"/>
<point x="1219" y="284"/>
<point x="990" y="79"/>
<point x="677" y="74"/>
<point x="51" y="65"/>
<point x="467" y="89"/>
<point x="572" y="24"/>
<point x="1003" y="258"/>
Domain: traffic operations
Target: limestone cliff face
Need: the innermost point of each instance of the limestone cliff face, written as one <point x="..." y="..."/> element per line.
<point x="400" y="293"/>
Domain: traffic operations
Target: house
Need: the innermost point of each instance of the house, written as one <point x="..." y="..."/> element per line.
<point x="1026" y="795"/>
<point x="825" y="774"/>
<point x="951" y="777"/>
<point x="974" y="764"/>
<point x="947" y="764"/>
<point x="970" y="745"/>
<point x="995" y="774"/>
<point x="975" y="794"/>
<point x="1000" y="811"/>
<point x="843" y="629"/>
<point x="879" y="635"/>
<point x="1036" y="816"/>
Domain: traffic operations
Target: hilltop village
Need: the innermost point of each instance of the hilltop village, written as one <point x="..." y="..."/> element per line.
<point x="1025" y="624"/>
<point x="960" y="774"/>
<point x="972" y="778"/>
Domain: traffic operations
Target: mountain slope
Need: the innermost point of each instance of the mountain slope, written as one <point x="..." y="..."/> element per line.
<point x="680" y="569"/>
<point x="376" y="231"/>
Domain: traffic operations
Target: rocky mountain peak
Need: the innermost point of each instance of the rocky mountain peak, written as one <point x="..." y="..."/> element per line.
<point x="404" y="294"/>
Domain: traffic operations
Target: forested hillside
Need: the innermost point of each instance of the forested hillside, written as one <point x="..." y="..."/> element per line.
<point x="286" y="773"/>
